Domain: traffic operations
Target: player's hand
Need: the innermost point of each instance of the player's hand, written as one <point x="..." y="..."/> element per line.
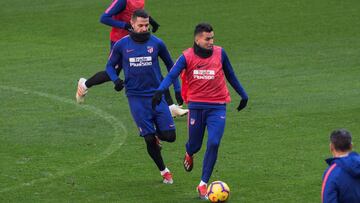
<point x="128" y="27"/>
<point x="119" y="85"/>
<point x="179" y="98"/>
<point x="242" y="104"/>
<point x="156" y="99"/>
<point x="155" y="26"/>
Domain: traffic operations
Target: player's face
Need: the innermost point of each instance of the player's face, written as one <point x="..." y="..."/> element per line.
<point x="205" y="40"/>
<point x="140" y="24"/>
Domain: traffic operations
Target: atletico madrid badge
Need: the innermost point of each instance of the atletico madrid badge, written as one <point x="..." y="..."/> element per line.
<point x="150" y="49"/>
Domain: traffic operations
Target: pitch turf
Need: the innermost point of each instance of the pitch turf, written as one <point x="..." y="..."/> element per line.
<point x="298" y="60"/>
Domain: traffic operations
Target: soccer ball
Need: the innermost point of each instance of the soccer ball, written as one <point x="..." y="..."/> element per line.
<point x="218" y="191"/>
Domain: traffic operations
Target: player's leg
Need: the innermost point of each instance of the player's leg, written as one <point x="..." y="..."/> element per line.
<point x="155" y="153"/>
<point x="196" y="129"/>
<point x="215" y="121"/>
<point x="142" y="113"/>
<point x="164" y="123"/>
<point x="97" y="79"/>
<point x="167" y="135"/>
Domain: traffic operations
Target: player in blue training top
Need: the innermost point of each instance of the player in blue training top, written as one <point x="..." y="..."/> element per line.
<point x="341" y="180"/>
<point x="137" y="54"/>
<point x="118" y="16"/>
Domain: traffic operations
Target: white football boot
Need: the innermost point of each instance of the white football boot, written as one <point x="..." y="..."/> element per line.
<point x="81" y="91"/>
<point x="167" y="177"/>
<point x="177" y="111"/>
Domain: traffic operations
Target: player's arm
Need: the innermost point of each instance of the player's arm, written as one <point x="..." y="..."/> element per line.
<point x="155" y="26"/>
<point x="174" y="73"/>
<point x="116" y="7"/>
<point x="165" y="56"/>
<point x="114" y="59"/>
<point x="329" y="192"/>
<point x="234" y="82"/>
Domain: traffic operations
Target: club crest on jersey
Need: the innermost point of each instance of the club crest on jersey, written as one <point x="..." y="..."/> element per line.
<point x="192" y="121"/>
<point x="150" y="49"/>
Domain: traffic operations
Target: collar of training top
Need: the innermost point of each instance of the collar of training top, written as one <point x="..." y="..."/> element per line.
<point x="140" y="37"/>
<point x="202" y="52"/>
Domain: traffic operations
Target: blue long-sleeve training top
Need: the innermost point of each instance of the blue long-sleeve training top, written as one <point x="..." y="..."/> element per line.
<point x="341" y="180"/>
<point x="140" y="64"/>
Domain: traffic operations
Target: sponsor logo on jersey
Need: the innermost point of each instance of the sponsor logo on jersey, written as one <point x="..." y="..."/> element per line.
<point x="129" y="50"/>
<point x="140" y="61"/>
<point x="150" y="49"/>
<point x="204" y="74"/>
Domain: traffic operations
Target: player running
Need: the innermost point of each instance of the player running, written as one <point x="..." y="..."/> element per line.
<point x="118" y="15"/>
<point x="204" y="88"/>
<point x="137" y="54"/>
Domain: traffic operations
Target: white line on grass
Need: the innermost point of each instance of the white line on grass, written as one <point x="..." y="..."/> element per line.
<point x="118" y="140"/>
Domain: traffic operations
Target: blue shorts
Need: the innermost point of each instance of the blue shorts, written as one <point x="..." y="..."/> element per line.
<point x="147" y="120"/>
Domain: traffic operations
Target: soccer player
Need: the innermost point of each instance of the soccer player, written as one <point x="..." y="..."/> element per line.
<point x="118" y="15"/>
<point x="341" y="180"/>
<point x="138" y="55"/>
<point x="204" y="68"/>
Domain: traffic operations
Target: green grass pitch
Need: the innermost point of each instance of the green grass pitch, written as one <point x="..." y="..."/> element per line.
<point x="298" y="61"/>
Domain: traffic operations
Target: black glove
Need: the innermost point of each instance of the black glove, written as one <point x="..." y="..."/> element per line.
<point x="156" y="99"/>
<point x="119" y="84"/>
<point x="128" y="27"/>
<point x="179" y="99"/>
<point x="155" y="26"/>
<point x="242" y="104"/>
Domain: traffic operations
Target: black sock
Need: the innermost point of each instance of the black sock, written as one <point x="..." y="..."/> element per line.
<point x="100" y="78"/>
<point x="97" y="79"/>
<point x="154" y="151"/>
<point x="168" y="98"/>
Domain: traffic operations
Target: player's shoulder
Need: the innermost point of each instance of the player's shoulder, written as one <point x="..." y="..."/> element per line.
<point x="122" y="41"/>
<point x="218" y="48"/>
<point x="156" y="40"/>
<point x="333" y="172"/>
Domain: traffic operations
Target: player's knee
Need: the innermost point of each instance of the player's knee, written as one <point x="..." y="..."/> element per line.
<point x="150" y="139"/>
<point x="168" y="135"/>
<point x="213" y="144"/>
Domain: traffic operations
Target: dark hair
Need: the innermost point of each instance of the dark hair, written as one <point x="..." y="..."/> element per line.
<point x="341" y="139"/>
<point x="139" y="13"/>
<point x="202" y="27"/>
